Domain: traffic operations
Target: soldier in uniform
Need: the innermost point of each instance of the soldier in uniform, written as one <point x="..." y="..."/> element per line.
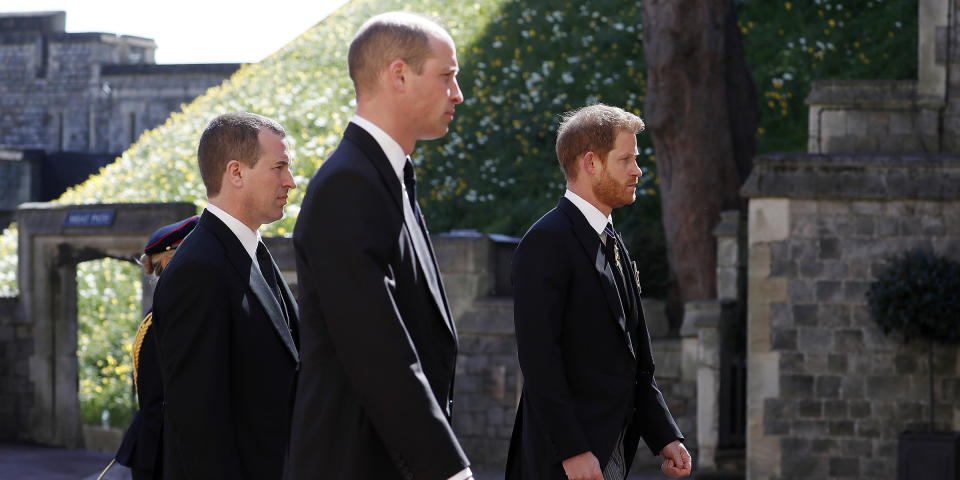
<point x="140" y="450"/>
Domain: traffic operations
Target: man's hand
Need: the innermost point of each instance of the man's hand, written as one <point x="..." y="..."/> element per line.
<point x="676" y="460"/>
<point x="583" y="467"/>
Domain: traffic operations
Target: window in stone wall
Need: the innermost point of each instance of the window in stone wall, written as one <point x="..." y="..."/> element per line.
<point x="132" y="128"/>
<point x="44" y="57"/>
<point x="60" y="132"/>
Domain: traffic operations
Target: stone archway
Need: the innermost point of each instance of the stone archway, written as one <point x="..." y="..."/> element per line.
<point x="53" y="239"/>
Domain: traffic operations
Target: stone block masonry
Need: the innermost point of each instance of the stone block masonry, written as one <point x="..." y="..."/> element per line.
<point x="16" y="389"/>
<point x="87" y="92"/>
<point x="829" y="392"/>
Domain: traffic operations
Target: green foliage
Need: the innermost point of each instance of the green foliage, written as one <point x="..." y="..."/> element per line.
<point x="8" y="262"/>
<point x="108" y="312"/>
<point x="523" y="63"/>
<point x="918" y="296"/>
<point x="789" y="44"/>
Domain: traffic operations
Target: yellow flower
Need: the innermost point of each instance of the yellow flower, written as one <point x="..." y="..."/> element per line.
<point x="788" y="6"/>
<point x="832" y="23"/>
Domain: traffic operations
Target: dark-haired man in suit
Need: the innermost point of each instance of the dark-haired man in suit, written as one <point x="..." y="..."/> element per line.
<point x="375" y="392"/>
<point x="227" y="324"/>
<point x="589" y="394"/>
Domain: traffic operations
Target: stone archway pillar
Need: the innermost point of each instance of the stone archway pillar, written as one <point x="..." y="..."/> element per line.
<point x="53" y="239"/>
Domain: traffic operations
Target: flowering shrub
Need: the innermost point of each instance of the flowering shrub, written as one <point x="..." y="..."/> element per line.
<point x="523" y="63"/>
<point x="108" y="312"/>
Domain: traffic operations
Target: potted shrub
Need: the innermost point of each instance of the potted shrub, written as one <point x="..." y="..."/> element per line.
<point x="918" y="297"/>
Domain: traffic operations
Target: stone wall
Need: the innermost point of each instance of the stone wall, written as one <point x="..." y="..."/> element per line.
<point x="19" y="180"/>
<point x="87" y="92"/>
<point x="15" y="387"/>
<point x="883" y="116"/>
<point x="948" y="43"/>
<point x="828" y="392"/>
<point x="871" y="116"/>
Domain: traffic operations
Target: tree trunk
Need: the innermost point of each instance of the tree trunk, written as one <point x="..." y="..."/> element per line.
<point x="701" y="109"/>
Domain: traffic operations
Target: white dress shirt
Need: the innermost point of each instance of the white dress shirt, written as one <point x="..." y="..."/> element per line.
<point x="397" y="158"/>
<point x="390" y="147"/>
<point x="597" y="220"/>
<point x="248" y="238"/>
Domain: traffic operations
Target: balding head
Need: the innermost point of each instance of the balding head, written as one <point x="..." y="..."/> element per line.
<point x="388" y="37"/>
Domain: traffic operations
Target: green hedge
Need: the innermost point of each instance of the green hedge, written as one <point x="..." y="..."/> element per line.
<point x="523" y="64"/>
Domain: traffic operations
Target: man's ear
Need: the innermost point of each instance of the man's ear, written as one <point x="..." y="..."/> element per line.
<point x="233" y="174"/>
<point x="395" y="72"/>
<point x="590" y="163"/>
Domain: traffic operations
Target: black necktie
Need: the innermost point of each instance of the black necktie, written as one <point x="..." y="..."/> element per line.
<point x="269" y="274"/>
<point x="617" y="258"/>
<point x="421" y="238"/>
<point x="410" y="181"/>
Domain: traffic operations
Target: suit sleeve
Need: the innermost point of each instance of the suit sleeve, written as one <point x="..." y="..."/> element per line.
<point x="540" y="285"/>
<point x="347" y="244"/>
<point x="193" y="333"/>
<point x="656" y="424"/>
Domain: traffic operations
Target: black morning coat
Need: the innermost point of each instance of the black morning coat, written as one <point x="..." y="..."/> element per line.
<point x="375" y="392"/>
<point x="228" y="360"/>
<point x="585" y="378"/>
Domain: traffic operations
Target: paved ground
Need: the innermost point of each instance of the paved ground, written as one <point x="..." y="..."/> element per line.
<point x="29" y="462"/>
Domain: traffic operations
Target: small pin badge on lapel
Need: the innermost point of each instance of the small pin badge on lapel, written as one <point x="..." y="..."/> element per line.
<point x="636" y="276"/>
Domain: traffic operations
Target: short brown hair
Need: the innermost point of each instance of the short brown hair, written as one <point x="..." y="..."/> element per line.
<point x="387" y="37"/>
<point x="231" y="136"/>
<point x="591" y="129"/>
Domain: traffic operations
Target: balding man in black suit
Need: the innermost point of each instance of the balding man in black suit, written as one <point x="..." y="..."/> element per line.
<point x="375" y="392"/>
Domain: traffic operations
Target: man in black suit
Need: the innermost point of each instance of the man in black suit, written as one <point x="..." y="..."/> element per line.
<point x="589" y="393"/>
<point x="226" y="321"/>
<point x="375" y="392"/>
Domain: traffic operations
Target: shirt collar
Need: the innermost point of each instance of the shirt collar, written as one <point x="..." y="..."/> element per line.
<point x="390" y="147"/>
<point x="594" y="216"/>
<point x="248" y="238"/>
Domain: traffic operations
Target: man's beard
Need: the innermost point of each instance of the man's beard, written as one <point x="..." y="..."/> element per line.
<point x="612" y="193"/>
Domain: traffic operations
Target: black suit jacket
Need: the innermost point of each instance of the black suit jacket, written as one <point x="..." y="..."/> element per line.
<point x="375" y="392"/>
<point x="140" y="449"/>
<point x="587" y="373"/>
<point x="227" y="359"/>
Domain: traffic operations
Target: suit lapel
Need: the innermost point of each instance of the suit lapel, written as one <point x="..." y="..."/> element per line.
<point x="592" y="247"/>
<point x="244" y="266"/>
<point x="423" y="248"/>
<point x="642" y="335"/>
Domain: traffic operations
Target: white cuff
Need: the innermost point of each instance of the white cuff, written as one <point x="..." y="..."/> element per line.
<point x="462" y="474"/>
